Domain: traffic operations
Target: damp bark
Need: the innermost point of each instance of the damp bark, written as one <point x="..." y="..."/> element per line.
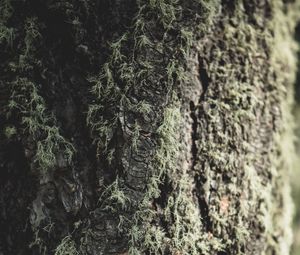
<point x="146" y="127"/>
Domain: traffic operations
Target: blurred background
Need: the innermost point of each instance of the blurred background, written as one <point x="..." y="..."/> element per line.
<point x="296" y="173"/>
<point x="296" y="179"/>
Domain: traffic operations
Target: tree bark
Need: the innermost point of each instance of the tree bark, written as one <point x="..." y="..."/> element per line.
<point x="146" y="126"/>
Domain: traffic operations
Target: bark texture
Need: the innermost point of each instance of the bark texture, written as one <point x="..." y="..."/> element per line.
<point x="146" y="126"/>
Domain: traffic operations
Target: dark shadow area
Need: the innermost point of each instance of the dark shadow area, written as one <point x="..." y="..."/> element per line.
<point x="17" y="189"/>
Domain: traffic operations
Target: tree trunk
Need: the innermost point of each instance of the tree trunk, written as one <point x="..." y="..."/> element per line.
<point x="146" y="126"/>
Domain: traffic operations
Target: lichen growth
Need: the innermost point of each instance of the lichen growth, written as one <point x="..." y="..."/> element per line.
<point x="186" y="116"/>
<point x="115" y="82"/>
<point x="66" y="247"/>
<point x="6" y="33"/>
<point x="233" y="103"/>
<point x="41" y="126"/>
<point x="25" y="101"/>
<point x="145" y="236"/>
<point x="10" y="131"/>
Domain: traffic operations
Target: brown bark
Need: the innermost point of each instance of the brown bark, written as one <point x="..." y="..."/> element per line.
<point x="146" y="127"/>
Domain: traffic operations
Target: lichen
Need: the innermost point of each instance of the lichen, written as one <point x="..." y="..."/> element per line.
<point x="10" y="131"/>
<point x="6" y="33"/>
<point x="234" y="103"/>
<point x="188" y="116"/>
<point x="113" y="85"/>
<point x="25" y="101"/>
<point x="39" y="125"/>
<point x="66" y="247"/>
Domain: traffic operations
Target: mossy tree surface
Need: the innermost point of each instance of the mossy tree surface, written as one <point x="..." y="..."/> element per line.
<point x="146" y="126"/>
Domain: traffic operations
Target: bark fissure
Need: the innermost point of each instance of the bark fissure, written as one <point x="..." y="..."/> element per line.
<point x="203" y="77"/>
<point x="194" y="135"/>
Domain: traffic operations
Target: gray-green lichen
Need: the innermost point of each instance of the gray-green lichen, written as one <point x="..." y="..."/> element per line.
<point x="66" y="247"/>
<point x="183" y="137"/>
<point x="238" y="119"/>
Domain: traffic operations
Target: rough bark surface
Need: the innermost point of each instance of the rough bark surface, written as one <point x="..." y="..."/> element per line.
<point x="146" y="126"/>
